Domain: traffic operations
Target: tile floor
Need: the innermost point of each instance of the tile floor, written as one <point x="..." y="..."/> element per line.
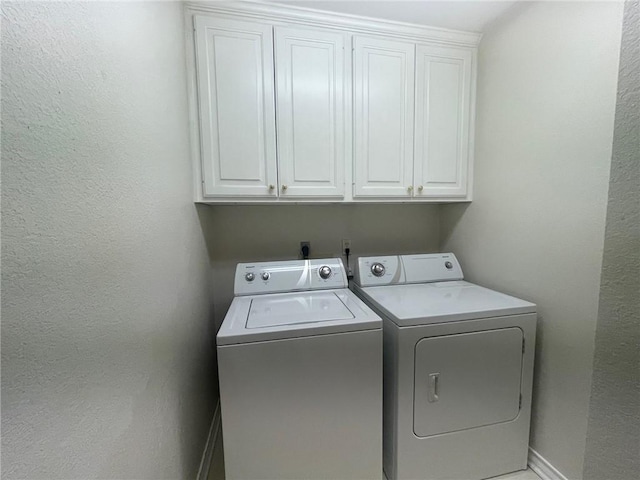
<point x="527" y="474"/>
<point x="217" y="469"/>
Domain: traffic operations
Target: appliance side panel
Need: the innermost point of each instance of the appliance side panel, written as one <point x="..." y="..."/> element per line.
<point x="390" y="403"/>
<point x="528" y="325"/>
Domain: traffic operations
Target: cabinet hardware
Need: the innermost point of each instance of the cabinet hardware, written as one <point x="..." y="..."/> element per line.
<point x="420" y="188"/>
<point x="284" y="188"/>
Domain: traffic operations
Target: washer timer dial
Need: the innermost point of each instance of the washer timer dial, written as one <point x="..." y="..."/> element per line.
<point x="377" y="269"/>
<point x="324" y="272"/>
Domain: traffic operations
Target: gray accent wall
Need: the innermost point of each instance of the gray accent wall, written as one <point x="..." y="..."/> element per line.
<point x="613" y="436"/>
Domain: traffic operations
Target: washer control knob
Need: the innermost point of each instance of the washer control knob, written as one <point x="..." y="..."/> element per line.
<point x="377" y="269"/>
<point x="325" y="272"/>
<point x="265" y="275"/>
<point x="249" y="277"/>
<point x="449" y="265"/>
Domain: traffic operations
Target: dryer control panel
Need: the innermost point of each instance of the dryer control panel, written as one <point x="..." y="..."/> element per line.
<point x="385" y="270"/>
<point x="402" y="269"/>
<point x="289" y="276"/>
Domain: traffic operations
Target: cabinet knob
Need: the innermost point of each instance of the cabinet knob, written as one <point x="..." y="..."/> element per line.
<point x="271" y="187"/>
<point x="410" y="188"/>
<point x="284" y="188"/>
<point x="420" y="188"/>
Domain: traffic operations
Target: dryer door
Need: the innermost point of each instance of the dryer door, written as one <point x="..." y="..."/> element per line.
<point x="467" y="380"/>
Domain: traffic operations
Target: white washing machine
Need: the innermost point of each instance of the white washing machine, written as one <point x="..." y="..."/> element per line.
<point x="458" y="369"/>
<point x="300" y="368"/>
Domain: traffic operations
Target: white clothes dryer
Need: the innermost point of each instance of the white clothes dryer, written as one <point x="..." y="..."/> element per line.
<point x="458" y="369"/>
<point x="300" y="369"/>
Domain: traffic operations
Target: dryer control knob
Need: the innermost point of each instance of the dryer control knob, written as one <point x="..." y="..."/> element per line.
<point x="377" y="269"/>
<point x="265" y="276"/>
<point x="249" y="277"/>
<point x="325" y="272"/>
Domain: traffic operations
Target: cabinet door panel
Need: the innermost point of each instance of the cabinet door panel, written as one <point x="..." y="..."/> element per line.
<point x="310" y="111"/>
<point x="443" y="95"/>
<point x="236" y="100"/>
<point x="383" y="117"/>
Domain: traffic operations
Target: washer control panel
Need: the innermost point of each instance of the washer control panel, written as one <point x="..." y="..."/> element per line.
<point x="327" y="273"/>
<point x="400" y="269"/>
<point x="289" y="276"/>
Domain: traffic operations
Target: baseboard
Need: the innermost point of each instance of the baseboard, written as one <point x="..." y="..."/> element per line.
<point x="540" y="465"/>
<point x="543" y="468"/>
<point x="212" y="438"/>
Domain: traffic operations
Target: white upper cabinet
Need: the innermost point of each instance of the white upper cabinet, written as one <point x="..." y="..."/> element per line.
<point x="310" y="84"/>
<point x="295" y="105"/>
<point x="383" y="117"/>
<point x="236" y="100"/>
<point x="443" y="109"/>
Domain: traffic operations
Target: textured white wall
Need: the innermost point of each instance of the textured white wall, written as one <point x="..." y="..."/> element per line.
<point x="253" y="233"/>
<point x="613" y="439"/>
<point x="107" y="355"/>
<point x="546" y="102"/>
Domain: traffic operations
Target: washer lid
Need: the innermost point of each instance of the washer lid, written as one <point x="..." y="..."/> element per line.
<point x="272" y="310"/>
<point x="279" y="316"/>
<point x="438" y="302"/>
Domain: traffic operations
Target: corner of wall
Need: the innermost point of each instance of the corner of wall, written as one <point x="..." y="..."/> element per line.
<point x="613" y="433"/>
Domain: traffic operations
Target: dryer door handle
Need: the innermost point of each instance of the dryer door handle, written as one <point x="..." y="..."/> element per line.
<point x="432" y="396"/>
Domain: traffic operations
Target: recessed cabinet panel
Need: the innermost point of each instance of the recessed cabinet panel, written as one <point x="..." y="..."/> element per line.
<point x="236" y="100"/>
<point x="383" y="117"/>
<point x="467" y="380"/>
<point x="310" y="112"/>
<point x="443" y="88"/>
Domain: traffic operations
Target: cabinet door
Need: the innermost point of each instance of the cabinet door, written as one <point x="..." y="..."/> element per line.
<point x="383" y="117"/>
<point x="443" y="107"/>
<point x="236" y="100"/>
<point x="310" y="112"/>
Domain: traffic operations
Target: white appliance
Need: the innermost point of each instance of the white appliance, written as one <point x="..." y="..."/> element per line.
<point x="300" y="367"/>
<point x="458" y="369"/>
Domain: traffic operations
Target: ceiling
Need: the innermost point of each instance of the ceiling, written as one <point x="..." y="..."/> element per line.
<point x="469" y="15"/>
